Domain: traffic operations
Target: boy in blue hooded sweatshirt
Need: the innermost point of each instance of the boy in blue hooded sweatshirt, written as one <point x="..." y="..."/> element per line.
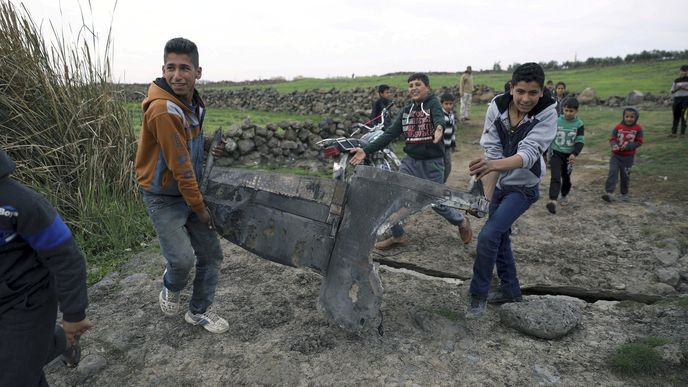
<point x="519" y="126"/>
<point x="422" y="123"/>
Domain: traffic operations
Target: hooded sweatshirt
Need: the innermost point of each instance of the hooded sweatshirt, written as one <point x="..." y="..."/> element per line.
<point x="37" y="250"/>
<point x="530" y="139"/>
<point x="169" y="158"/>
<point x="418" y="122"/>
<point x="628" y="136"/>
<point x="678" y="88"/>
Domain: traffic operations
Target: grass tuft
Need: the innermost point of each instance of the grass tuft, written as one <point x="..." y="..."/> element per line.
<point x="639" y="357"/>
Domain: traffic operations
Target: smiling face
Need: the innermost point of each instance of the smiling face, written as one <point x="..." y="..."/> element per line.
<point x="181" y="74"/>
<point x="526" y="95"/>
<point x="418" y="90"/>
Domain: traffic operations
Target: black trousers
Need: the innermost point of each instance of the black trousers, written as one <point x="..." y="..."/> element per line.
<point x="29" y="339"/>
<point x="560" y="177"/>
<point x="680" y="104"/>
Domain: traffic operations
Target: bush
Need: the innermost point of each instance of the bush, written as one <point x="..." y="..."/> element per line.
<point x="638" y="358"/>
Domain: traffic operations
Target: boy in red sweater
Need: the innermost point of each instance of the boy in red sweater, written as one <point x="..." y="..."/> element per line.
<point x="626" y="137"/>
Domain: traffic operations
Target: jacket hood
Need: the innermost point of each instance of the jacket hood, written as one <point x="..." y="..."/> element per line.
<point x="6" y="164"/>
<point x="630" y="109"/>
<point x="160" y="89"/>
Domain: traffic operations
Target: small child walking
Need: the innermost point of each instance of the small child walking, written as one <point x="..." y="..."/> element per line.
<point x="449" y="136"/>
<point x="626" y="137"/>
<point x="563" y="151"/>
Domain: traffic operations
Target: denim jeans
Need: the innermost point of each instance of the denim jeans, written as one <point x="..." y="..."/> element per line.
<point x="619" y="166"/>
<point x="184" y="239"/>
<point x="494" y="242"/>
<point x="433" y="170"/>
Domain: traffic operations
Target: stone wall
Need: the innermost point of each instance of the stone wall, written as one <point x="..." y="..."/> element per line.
<point x="285" y="143"/>
<point x="337" y="103"/>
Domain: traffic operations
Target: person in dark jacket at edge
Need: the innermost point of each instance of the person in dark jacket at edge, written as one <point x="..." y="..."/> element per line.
<point x="40" y="266"/>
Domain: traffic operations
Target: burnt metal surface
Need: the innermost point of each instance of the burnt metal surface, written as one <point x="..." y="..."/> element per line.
<point x="326" y="225"/>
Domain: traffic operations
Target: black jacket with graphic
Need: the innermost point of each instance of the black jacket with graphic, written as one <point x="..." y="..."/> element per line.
<point x="418" y="122"/>
<point x="37" y="252"/>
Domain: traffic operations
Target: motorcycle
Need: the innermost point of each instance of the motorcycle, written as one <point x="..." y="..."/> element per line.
<point x="339" y="148"/>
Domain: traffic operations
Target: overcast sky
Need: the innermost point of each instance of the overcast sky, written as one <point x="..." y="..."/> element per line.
<point x="245" y="39"/>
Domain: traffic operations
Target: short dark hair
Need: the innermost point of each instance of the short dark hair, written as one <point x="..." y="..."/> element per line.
<point x="570" y="102"/>
<point x="507" y="86"/>
<point x="382" y="88"/>
<point x="182" y="46"/>
<point x="550" y="82"/>
<point x="446" y="97"/>
<point x="529" y="72"/>
<point x="560" y="83"/>
<point x="421" y="77"/>
<point x="684" y="67"/>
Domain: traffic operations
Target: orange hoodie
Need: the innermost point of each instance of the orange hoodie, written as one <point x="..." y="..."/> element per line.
<point x="169" y="158"/>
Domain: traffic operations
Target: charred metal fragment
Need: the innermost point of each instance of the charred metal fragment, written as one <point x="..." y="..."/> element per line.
<point x="326" y="225"/>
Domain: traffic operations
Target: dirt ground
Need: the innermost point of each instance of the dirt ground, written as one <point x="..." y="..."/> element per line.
<point x="277" y="336"/>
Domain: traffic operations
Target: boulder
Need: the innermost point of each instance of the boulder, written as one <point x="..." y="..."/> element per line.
<point x="546" y="317"/>
<point x="669" y="276"/>
<point x="634" y="98"/>
<point x="587" y="96"/>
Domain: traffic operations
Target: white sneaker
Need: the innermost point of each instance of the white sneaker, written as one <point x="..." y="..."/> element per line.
<point x="208" y="320"/>
<point x="170" y="302"/>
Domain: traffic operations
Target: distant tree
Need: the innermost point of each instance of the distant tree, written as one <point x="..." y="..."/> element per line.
<point x="496" y="67"/>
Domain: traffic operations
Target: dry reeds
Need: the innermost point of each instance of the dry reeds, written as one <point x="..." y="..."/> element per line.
<point x="62" y="120"/>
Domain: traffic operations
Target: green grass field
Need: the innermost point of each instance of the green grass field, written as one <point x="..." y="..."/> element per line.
<point x="654" y="77"/>
<point x="660" y="164"/>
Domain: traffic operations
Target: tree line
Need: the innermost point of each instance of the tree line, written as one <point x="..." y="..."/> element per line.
<point x="643" y="56"/>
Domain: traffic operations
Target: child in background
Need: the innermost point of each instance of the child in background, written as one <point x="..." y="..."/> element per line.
<point x="679" y="94"/>
<point x="563" y="151"/>
<point x="559" y="95"/>
<point x="449" y="137"/>
<point x="626" y="137"/>
<point x="381" y="103"/>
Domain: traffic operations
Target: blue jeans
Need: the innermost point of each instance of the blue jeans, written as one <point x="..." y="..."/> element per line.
<point x="494" y="242"/>
<point x="619" y="166"/>
<point x="433" y="170"/>
<point x="184" y="239"/>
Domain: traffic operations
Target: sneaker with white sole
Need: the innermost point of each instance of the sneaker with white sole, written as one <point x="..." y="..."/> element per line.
<point x="208" y="320"/>
<point x="170" y="302"/>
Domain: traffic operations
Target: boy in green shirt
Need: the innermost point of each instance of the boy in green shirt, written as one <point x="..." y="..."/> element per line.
<point x="563" y="151"/>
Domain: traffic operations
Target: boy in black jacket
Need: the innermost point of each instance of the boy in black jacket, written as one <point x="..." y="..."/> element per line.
<point x="422" y="123"/>
<point x="40" y="265"/>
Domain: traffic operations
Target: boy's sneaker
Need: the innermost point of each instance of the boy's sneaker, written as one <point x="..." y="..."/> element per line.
<point x="476" y="308"/>
<point x="551" y="207"/>
<point x="607" y="197"/>
<point x="170" y="302"/>
<point x="564" y="200"/>
<point x="72" y="355"/>
<point x="208" y="320"/>
<point x="624" y="197"/>
<point x="500" y="298"/>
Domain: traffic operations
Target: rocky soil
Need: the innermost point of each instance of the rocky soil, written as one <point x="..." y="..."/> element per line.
<point x="624" y="266"/>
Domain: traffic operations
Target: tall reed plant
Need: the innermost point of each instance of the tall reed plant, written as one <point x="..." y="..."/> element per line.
<point x="67" y="128"/>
